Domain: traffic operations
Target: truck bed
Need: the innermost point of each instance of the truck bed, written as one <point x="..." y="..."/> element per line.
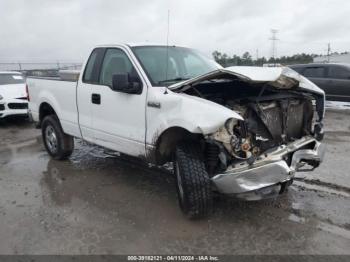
<point x="61" y="95"/>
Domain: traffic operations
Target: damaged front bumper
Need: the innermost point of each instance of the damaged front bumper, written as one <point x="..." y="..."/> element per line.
<point x="270" y="173"/>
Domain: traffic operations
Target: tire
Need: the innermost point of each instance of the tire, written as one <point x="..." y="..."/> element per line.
<point x="193" y="182"/>
<point x="58" y="144"/>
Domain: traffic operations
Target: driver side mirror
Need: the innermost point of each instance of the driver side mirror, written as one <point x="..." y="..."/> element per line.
<point x="123" y="83"/>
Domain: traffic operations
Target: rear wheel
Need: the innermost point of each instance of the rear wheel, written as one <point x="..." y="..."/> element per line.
<point x="193" y="182"/>
<point x="58" y="144"/>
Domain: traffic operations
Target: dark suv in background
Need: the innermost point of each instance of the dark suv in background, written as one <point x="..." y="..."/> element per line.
<point x="334" y="79"/>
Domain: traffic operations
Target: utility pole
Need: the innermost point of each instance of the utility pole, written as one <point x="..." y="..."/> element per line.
<point x="274" y="39"/>
<point x="329" y="52"/>
<point x="257" y="56"/>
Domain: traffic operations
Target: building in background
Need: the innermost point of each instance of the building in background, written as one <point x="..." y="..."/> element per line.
<point x="333" y="58"/>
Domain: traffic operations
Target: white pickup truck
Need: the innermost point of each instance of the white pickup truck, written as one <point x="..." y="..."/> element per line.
<point x="240" y="131"/>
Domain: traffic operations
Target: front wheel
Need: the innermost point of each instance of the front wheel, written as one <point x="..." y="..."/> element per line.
<point x="58" y="144"/>
<point x="193" y="182"/>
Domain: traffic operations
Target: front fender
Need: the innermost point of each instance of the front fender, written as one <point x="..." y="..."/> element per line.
<point x="194" y="114"/>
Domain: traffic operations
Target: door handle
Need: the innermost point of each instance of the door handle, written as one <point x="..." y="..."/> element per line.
<point x="96" y="99"/>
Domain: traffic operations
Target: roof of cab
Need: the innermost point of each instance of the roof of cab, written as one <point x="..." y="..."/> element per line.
<point x="135" y="44"/>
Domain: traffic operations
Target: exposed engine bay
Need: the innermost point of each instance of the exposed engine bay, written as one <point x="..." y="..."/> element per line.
<point x="272" y="117"/>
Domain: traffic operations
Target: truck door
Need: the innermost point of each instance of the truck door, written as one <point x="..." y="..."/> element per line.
<point x="118" y="118"/>
<point x="89" y="80"/>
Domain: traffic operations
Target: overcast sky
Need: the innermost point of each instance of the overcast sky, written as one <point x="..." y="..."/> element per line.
<point x="48" y="30"/>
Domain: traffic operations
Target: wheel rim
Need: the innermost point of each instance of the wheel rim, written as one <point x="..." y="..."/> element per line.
<point x="51" y="139"/>
<point x="179" y="181"/>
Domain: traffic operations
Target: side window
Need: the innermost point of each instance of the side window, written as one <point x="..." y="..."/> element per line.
<point x="338" y="72"/>
<point x="116" y="62"/>
<point x="314" y="72"/>
<point x="93" y="65"/>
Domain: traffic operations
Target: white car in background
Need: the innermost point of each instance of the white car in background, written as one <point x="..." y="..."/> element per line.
<point x="13" y="94"/>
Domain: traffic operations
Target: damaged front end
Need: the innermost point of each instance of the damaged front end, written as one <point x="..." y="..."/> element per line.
<point x="271" y="172"/>
<point x="280" y="133"/>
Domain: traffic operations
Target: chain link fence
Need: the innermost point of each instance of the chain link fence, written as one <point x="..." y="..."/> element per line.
<point x="39" y="68"/>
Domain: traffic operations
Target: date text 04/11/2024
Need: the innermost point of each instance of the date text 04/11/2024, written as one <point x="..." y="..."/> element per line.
<point x="173" y="258"/>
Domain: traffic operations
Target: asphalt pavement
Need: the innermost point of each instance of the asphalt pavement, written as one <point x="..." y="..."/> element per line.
<point x="98" y="203"/>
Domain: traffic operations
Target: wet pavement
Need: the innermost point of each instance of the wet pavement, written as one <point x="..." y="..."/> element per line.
<point x="96" y="203"/>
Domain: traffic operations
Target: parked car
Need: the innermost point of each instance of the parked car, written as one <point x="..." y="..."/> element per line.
<point x="13" y="95"/>
<point x="240" y="131"/>
<point x="334" y="79"/>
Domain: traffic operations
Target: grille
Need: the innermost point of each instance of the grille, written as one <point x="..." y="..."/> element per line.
<point x="272" y="118"/>
<point x="17" y="105"/>
<point x="294" y="123"/>
<point x="2" y="107"/>
<point x="296" y="120"/>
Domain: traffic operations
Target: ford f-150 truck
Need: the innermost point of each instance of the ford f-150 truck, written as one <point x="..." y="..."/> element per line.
<point x="239" y="131"/>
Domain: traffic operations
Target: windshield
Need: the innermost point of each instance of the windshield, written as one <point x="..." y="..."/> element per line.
<point x="168" y="65"/>
<point x="8" y="79"/>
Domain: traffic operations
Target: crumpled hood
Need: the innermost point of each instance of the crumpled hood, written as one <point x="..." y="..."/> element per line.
<point x="13" y="91"/>
<point x="279" y="77"/>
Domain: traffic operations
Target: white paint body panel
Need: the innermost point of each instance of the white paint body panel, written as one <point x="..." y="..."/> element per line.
<point x="61" y="96"/>
<point x="180" y="110"/>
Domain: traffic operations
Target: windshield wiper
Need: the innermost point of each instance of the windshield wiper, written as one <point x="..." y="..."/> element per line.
<point x="173" y="80"/>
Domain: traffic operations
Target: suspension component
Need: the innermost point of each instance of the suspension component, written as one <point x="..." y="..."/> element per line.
<point x="212" y="157"/>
